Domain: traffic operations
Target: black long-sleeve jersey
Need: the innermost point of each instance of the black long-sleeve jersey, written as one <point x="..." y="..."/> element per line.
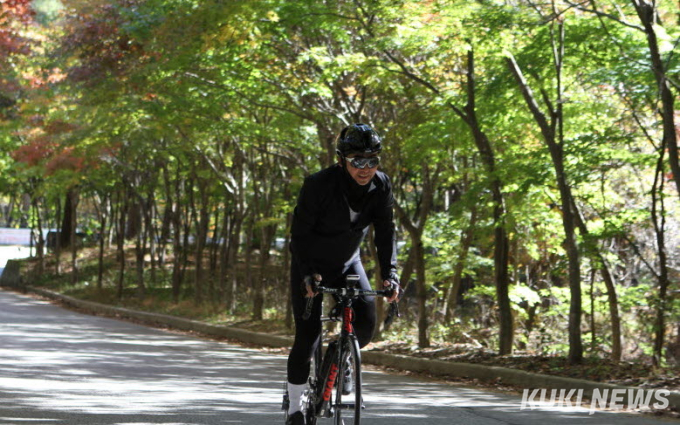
<point x="327" y="233"/>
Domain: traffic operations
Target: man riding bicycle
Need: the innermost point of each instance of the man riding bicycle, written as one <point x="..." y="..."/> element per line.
<point x="334" y="209"/>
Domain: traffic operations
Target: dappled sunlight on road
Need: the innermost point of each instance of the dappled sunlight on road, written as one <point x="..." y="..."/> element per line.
<point x="61" y="367"/>
<point x="69" y="363"/>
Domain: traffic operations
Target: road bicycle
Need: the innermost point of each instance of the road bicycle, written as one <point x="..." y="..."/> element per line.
<point x="339" y="368"/>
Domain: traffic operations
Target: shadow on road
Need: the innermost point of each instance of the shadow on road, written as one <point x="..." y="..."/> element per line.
<point x="61" y="367"/>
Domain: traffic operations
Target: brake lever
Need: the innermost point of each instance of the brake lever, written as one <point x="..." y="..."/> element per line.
<point x="394" y="308"/>
<point x="394" y="312"/>
<point x="308" y="308"/>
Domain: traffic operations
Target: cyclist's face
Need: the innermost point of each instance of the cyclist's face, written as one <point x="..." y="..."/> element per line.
<point x="362" y="176"/>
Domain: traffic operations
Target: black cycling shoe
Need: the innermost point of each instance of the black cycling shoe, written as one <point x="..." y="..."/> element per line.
<point x="297" y="418"/>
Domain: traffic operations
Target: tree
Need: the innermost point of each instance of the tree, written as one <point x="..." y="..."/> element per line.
<point x="460" y="96"/>
<point x="15" y="16"/>
<point x="660" y="61"/>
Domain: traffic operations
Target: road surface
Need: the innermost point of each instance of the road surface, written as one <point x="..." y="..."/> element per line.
<point x="61" y="367"/>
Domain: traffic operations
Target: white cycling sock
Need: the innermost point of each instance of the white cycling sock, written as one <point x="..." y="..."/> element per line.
<point x="295" y="396"/>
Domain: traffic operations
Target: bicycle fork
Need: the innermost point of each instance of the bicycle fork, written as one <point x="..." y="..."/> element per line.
<point x="324" y="406"/>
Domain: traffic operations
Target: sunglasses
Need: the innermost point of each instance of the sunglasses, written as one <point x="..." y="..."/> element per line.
<point x="361" y="162"/>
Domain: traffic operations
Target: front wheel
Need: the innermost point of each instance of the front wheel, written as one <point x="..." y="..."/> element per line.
<point x="348" y="400"/>
<point x="315" y="367"/>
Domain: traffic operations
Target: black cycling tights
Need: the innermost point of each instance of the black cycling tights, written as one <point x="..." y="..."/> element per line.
<point x="308" y="332"/>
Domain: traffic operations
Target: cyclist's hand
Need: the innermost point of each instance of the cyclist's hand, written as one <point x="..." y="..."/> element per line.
<point x="396" y="290"/>
<point x="311" y="282"/>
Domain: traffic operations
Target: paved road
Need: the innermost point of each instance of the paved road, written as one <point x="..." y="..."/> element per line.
<point x="61" y="367"/>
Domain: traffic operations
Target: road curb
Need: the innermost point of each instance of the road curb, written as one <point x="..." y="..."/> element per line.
<point x="501" y="375"/>
<point x="495" y="374"/>
<point x="173" y="322"/>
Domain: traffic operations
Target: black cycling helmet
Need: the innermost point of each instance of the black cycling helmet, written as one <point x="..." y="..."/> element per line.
<point x="358" y="139"/>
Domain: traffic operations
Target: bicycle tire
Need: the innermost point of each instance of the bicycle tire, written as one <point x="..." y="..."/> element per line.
<point x="348" y="407"/>
<point x="313" y="382"/>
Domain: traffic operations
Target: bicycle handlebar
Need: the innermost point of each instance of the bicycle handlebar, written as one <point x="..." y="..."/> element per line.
<point x="353" y="293"/>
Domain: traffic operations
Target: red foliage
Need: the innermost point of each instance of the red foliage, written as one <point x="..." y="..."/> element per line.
<point x="66" y="159"/>
<point x="43" y="146"/>
<point x="58" y="127"/>
<point x="100" y="44"/>
<point x="35" y="151"/>
<point x="13" y="12"/>
<point x="42" y="150"/>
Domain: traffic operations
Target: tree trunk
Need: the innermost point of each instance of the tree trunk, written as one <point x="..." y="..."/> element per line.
<point x="568" y="220"/>
<point x="74" y="199"/>
<point x="134" y="220"/>
<point x="201" y="222"/>
<point x="659" y="221"/>
<point x="67" y="220"/>
<point x="140" y="244"/>
<point x="614" y="316"/>
<point x="150" y="233"/>
<point x="26" y="210"/>
<point x="612" y="298"/>
<point x="501" y="245"/>
<point x="122" y="214"/>
<point x="185" y="219"/>
<point x="105" y="211"/>
<point x="58" y="240"/>
<point x="415" y="230"/>
<point x="167" y="217"/>
<point x="647" y="14"/>
<point x="286" y="267"/>
<point x="465" y="244"/>
<point x="177" y="248"/>
<point x="234" y="246"/>
<point x="423" y="322"/>
<point x="248" y="278"/>
<point x="258" y="284"/>
<point x="556" y="148"/>
<point x="258" y="296"/>
<point x="380" y="301"/>
<point x="40" y="244"/>
<point x="468" y="115"/>
<point x="593" y="337"/>
<point x="225" y="247"/>
<point x="214" y="249"/>
<point x="502" y="277"/>
<point x="407" y="270"/>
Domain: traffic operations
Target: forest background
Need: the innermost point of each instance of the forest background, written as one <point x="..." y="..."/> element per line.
<point x="532" y="145"/>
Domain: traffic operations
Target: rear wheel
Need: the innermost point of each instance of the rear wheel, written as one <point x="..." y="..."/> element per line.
<point x="348" y="401"/>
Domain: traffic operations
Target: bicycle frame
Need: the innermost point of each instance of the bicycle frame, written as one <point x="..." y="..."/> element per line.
<point x="323" y="405"/>
<point x="324" y="382"/>
<point x="328" y="371"/>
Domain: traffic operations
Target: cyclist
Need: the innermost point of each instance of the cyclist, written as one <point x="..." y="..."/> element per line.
<point x="334" y="210"/>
